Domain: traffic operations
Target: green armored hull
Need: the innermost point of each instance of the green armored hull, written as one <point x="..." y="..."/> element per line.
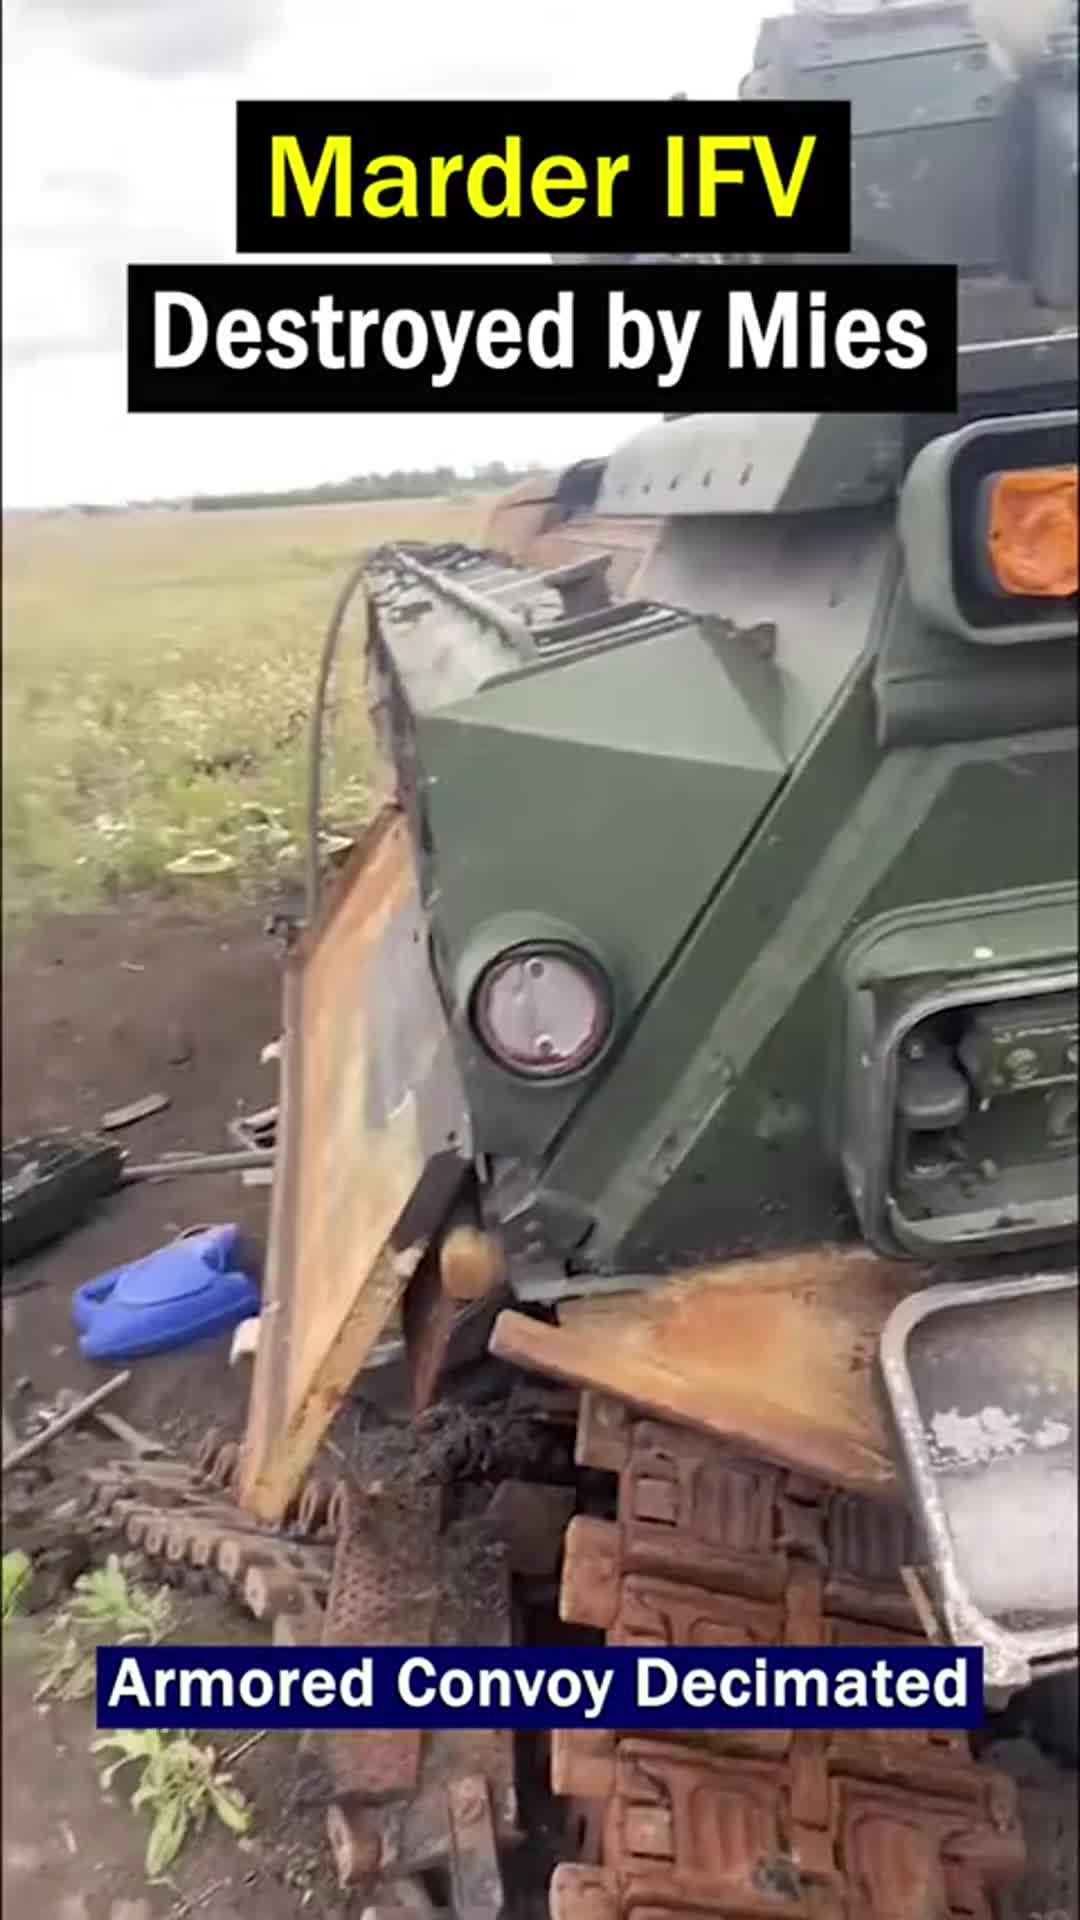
<point x="755" y="745"/>
<point x="814" y="854"/>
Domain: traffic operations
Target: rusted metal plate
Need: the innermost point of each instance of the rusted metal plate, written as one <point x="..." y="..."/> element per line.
<point x="778" y="1356"/>
<point x="428" y="1316"/>
<point x="373" y="1142"/>
<point x="982" y="1380"/>
<point x="384" y="1591"/>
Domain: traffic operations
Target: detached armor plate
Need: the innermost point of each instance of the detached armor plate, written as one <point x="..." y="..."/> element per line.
<point x="982" y="1384"/>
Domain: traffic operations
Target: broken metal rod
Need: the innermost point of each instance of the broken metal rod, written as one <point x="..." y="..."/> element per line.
<point x="142" y="1445"/>
<point x="64" y="1420"/>
<point x="172" y="1168"/>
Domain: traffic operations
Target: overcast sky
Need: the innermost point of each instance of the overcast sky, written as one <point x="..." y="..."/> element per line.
<point x="118" y="146"/>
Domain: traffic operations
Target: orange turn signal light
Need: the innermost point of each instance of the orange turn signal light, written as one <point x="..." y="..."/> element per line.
<point x="1032" y="533"/>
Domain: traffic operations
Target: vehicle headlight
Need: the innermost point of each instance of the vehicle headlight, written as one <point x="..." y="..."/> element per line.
<point x="543" y="1009"/>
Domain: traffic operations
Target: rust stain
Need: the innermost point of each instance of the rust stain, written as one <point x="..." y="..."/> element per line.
<point x="369" y="1101"/>
<point x="778" y="1355"/>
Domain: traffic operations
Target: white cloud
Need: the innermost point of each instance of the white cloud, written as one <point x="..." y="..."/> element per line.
<point x="118" y="146"/>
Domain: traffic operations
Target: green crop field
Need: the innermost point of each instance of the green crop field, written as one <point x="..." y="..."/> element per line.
<point x="159" y="670"/>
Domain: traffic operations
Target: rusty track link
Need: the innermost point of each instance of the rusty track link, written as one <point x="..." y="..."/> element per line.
<point x="346" y="1570"/>
<point x="710" y="1550"/>
<point x="385" y="1589"/>
<point x="406" y="1802"/>
<point x="182" y="1518"/>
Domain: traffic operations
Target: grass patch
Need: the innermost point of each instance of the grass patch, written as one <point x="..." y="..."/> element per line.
<point x="158" y="677"/>
<point x="105" y="1609"/>
<point x="16" y="1570"/>
<point x="180" y="1784"/>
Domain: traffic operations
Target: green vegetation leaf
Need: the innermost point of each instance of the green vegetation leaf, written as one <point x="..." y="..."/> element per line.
<point x="180" y="1784"/>
<point x="105" y="1609"/>
<point x="16" y="1576"/>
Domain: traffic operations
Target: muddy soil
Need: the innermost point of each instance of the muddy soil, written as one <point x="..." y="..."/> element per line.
<point x="98" y="1011"/>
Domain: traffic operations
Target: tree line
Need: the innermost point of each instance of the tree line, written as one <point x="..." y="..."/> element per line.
<point x="403" y="483"/>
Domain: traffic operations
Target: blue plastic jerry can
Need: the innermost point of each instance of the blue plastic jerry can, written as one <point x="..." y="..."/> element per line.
<point x="190" y="1290"/>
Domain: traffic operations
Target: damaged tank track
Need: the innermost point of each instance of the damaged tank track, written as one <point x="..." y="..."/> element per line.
<point x="705" y="1549"/>
<point x="182" y="1518"/>
<point x="708" y="1550"/>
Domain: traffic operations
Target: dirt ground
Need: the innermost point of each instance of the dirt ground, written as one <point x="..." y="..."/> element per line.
<point x="97" y="1012"/>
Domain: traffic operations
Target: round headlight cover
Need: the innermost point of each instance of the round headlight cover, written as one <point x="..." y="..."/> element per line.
<point x="543" y="1010"/>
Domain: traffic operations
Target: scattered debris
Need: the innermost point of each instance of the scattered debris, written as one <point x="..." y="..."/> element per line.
<point x="179" y="1045"/>
<point x="68" y="1418"/>
<point x="244" y="1340"/>
<point x="190" y="1289"/>
<point x="150" y="1103"/>
<point x="336" y="847"/>
<point x="56" y="1565"/>
<point x="142" y="1445"/>
<point x="170" y="1166"/>
<point x="256" y="1132"/>
<point x="237" y="1753"/>
<point x="50" y="1183"/>
<point x="202" y="860"/>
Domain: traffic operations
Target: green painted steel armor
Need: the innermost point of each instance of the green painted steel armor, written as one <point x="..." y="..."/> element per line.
<point x="803" y="793"/>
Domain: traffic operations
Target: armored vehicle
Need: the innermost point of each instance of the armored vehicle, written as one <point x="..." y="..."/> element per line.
<point x="697" y="1025"/>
